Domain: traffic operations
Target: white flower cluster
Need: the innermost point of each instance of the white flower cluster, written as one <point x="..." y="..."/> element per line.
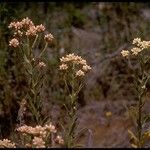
<point x="78" y="62"/>
<point x="13" y="42"/>
<point x="39" y="134"/>
<point x="139" y="46"/>
<point x="5" y="143"/>
<point x="26" y="27"/>
<point x="48" y="37"/>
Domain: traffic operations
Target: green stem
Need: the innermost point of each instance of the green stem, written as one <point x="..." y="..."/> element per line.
<point x="140" y="121"/>
<point x="140" y="105"/>
<point x="33" y="110"/>
<point x="33" y="92"/>
<point x="66" y="85"/>
<point x="73" y="109"/>
<point x="43" y="50"/>
<point x="34" y="41"/>
<point x="28" y="48"/>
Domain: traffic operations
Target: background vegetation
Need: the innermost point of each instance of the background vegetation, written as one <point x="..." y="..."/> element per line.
<point x="98" y="32"/>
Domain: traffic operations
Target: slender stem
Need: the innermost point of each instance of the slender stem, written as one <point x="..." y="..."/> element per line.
<point x="139" y="121"/>
<point x="66" y="85"/>
<point x="43" y="50"/>
<point x="34" y="98"/>
<point x="33" y="91"/>
<point x="28" y="48"/>
<point x="52" y="139"/>
<point x="73" y="109"/>
<point x="34" y="41"/>
<point x="140" y="105"/>
<point x="33" y="110"/>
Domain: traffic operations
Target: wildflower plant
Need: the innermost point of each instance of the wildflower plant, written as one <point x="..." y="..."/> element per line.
<point x="73" y="68"/>
<point x="141" y="53"/>
<point x="39" y="136"/>
<point x="24" y="41"/>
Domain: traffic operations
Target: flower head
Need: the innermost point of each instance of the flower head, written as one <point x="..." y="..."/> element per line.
<point x="41" y="64"/>
<point x="18" y="33"/>
<point x="80" y="64"/>
<point x="36" y="131"/>
<point x="16" y="25"/>
<point x="40" y="28"/>
<point x="14" y="42"/>
<point x="86" y="68"/>
<point x="5" y="143"/>
<point x="26" y="22"/>
<point x="80" y="73"/>
<point x="59" y="139"/>
<point x="63" y="67"/>
<point x="136" y="50"/>
<point x="48" y="37"/>
<point x="125" y="53"/>
<point x="145" y="44"/>
<point x="38" y="142"/>
<point x="136" y="41"/>
<point x="31" y="31"/>
<point x="50" y="128"/>
<point x="141" y="44"/>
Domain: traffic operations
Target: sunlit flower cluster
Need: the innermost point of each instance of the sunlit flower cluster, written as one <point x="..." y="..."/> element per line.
<point x="41" y="64"/>
<point x="136" y="41"/>
<point x="59" y="139"/>
<point x="125" y="53"/>
<point x="13" y="42"/>
<point x="27" y="22"/>
<point x="18" y="33"/>
<point x="50" y="128"/>
<point x="38" y="142"/>
<point x="31" y="31"/>
<point x="36" y="131"/>
<point x="48" y="37"/>
<point x="139" y="46"/>
<point x="5" y="143"/>
<point x="135" y="50"/>
<point x="40" y="28"/>
<point x="77" y="63"/>
<point x="63" y="67"/>
<point x="39" y="134"/>
<point x="16" y="25"/>
<point x="27" y="28"/>
<point x="80" y="73"/>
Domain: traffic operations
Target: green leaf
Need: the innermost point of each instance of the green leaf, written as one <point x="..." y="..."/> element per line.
<point x="133" y="112"/>
<point x="132" y="137"/>
<point x="26" y="59"/>
<point x="146" y="118"/>
<point x="45" y="120"/>
<point x="73" y="126"/>
<point x="33" y="92"/>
